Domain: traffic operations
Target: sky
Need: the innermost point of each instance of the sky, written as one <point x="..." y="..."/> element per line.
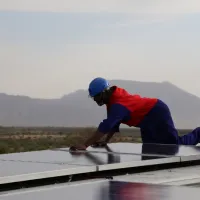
<point x="53" y="47"/>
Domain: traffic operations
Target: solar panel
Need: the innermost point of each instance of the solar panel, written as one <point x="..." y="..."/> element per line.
<point x="147" y="151"/>
<point x="51" y="163"/>
<point x="106" y="190"/>
<point x="45" y="156"/>
<point x="187" y="153"/>
<point x="63" y="156"/>
<point x="19" y="170"/>
<point x="117" y="161"/>
<point x="59" y="155"/>
<point x="175" y="176"/>
<point x="15" y="171"/>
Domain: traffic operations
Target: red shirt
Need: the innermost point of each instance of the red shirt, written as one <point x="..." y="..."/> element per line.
<point x="137" y="105"/>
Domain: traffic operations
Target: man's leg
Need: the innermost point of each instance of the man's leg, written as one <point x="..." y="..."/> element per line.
<point x="165" y="131"/>
<point x="147" y="134"/>
<point x="158" y="126"/>
<point x="149" y="144"/>
<point x="192" y="138"/>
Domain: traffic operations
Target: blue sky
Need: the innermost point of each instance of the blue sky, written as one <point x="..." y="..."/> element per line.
<point x="89" y="28"/>
<point x="61" y="50"/>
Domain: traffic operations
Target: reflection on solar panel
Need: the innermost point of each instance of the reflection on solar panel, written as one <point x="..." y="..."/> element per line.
<point x="104" y="190"/>
<point x="38" y="165"/>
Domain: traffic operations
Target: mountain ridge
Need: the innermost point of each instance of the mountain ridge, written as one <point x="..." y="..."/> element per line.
<point x="78" y="110"/>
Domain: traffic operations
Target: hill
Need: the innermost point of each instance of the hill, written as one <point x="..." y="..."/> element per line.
<point x="77" y="110"/>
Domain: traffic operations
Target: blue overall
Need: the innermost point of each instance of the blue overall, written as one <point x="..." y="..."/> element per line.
<point x="158" y="127"/>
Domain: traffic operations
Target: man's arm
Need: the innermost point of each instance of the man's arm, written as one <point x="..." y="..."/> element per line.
<point x="98" y="135"/>
<point x="114" y="130"/>
<point x="109" y="136"/>
<point x="95" y="137"/>
<point x="105" y="141"/>
<point x="109" y="126"/>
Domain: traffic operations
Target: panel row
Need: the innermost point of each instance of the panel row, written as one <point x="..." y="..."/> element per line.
<point x="106" y="190"/>
<point x="53" y="163"/>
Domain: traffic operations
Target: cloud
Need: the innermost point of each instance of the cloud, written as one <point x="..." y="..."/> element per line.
<point x="125" y="6"/>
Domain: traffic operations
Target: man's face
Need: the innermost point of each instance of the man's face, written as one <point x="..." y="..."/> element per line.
<point x="99" y="99"/>
<point x="102" y="98"/>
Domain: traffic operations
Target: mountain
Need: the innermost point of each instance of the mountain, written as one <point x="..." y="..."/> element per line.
<point x="77" y="109"/>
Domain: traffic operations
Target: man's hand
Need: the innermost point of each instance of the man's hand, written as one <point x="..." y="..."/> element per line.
<point x="77" y="147"/>
<point x="92" y="141"/>
<point x="99" y="144"/>
<point x="105" y="142"/>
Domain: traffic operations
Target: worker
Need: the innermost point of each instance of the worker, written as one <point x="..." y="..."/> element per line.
<point x="151" y="115"/>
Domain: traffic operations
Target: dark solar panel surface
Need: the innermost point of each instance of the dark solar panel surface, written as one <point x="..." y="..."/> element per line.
<point x="104" y="190"/>
<point x="40" y="162"/>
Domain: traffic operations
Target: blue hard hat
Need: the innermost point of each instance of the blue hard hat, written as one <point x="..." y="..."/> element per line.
<point x="97" y="86"/>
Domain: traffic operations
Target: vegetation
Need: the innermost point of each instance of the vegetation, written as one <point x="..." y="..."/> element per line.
<point x="20" y="139"/>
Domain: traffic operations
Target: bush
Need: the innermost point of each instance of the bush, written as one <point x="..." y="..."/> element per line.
<point x="15" y="139"/>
